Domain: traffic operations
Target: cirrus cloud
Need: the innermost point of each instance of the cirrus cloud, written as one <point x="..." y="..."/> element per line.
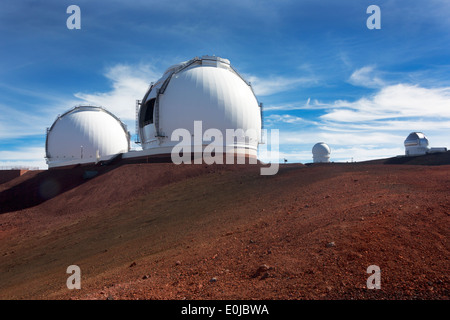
<point x="129" y="83"/>
<point x="393" y="102"/>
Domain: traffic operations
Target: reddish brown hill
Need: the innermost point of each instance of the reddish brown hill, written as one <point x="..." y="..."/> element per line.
<point x="160" y="231"/>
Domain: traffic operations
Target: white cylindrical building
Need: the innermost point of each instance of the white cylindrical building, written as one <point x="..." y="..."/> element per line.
<point x="206" y="89"/>
<point x="416" y="144"/>
<point x="85" y="134"/>
<point x="321" y="152"/>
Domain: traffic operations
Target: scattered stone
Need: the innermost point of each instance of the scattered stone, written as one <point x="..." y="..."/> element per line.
<point x="306" y="205"/>
<point x="146" y="277"/>
<point x="262" y="269"/>
<point x="178" y="262"/>
<point x="331" y="244"/>
<point x="132" y="265"/>
<point x="110" y="298"/>
<point x="214" y="279"/>
<point x="265" y="275"/>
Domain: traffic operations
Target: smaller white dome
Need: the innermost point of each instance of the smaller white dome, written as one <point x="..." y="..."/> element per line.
<point x="321" y="152"/>
<point x="416" y="139"/>
<point x="416" y="144"/>
<point x="85" y="134"/>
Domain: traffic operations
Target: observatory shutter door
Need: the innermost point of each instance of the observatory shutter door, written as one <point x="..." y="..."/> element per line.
<point x="149" y="108"/>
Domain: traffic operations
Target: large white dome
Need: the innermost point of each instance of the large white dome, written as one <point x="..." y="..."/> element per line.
<point x="85" y="134"/>
<point x="321" y="152"/>
<point x="205" y="89"/>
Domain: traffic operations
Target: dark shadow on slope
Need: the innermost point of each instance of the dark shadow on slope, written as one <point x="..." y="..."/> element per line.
<point x="46" y="185"/>
<point x="432" y="159"/>
<point x="49" y="184"/>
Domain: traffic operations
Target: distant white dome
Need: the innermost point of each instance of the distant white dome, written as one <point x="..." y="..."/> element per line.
<point x="321" y="152"/>
<point x="416" y="144"/>
<point x="205" y="89"/>
<point x="85" y="134"/>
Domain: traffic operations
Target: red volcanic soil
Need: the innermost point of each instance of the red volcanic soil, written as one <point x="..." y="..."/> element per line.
<point x="161" y="231"/>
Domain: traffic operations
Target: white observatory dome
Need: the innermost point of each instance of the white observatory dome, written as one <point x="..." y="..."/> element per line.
<point x="206" y="89"/>
<point x="416" y="144"/>
<point x="85" y="134"/>
<point x="321" y="152"/>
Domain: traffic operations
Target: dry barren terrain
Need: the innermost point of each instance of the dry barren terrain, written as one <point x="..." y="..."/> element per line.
<point x="161" y="231"/>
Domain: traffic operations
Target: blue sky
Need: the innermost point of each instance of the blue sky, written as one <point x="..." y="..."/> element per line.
<point x="321" y="74"/>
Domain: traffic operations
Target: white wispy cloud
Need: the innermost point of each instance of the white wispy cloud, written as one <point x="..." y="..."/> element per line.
<point x="29" y="153"/>
<point x="379" y="120"/>
<point x="276" y="84"/>
<point x="391" y="102"/>
<point x="286" y="118"/>
<point x="366" y="77"/>
<point x="290" y="106"/>
<point x="129" y="83"/>
<point x="16" y="123"/>
<point x="30" y="111"/>
<point x="373" y="126"/>
<point x="387" y="126"/>
<point x="314" y="135"/>
<point x="32" y="157"/>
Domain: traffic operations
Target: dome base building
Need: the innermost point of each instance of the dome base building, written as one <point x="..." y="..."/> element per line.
<point x="416" y="144"/>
